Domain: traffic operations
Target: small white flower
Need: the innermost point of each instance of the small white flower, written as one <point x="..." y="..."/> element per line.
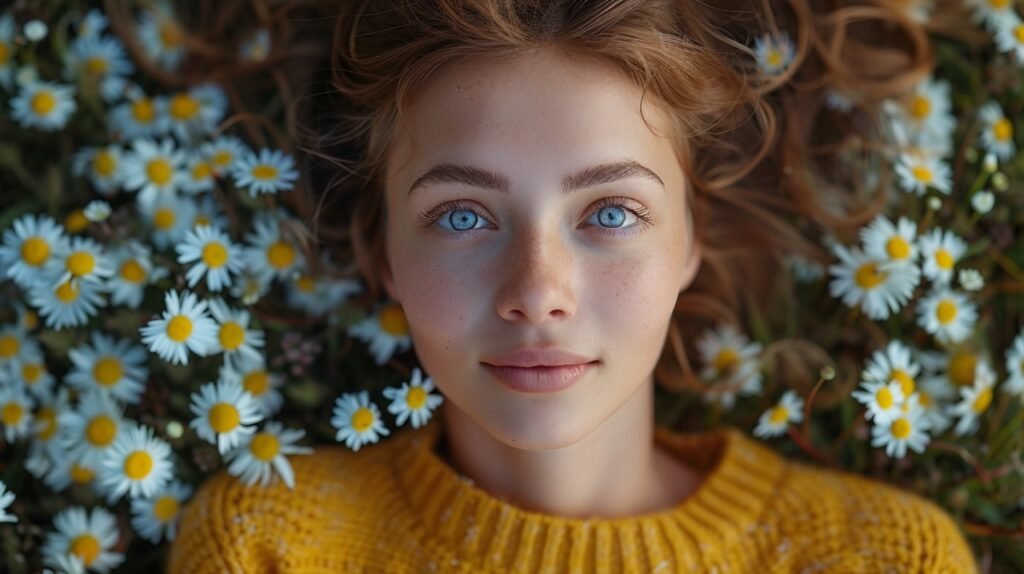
<point x="101" y="60"/>
<point x="947" y="314"/>
<point x="195" y="113"/>
<point x="15" y="412"/>
<point x="256" y="47"/>
<point x="139" y="117"/>
<point x="97" y="210"/>
<point x="154" y="169"/>
<point x="30" y="372"/>
<point x="134" y="269"/>
<point x="775" y="420"/>
<point x="35" y="30"/>
<point x="7" y="48"/>
<point x="940" y="250"/>
<point x="162" y="37"/>
<point x="16" y="346"/>
<point x="212" y="254"/>
<point x="102" y="165"/>
<point x="731" y="364"/>
<point x="6" y="498"/>
<point x="971" y="280"/>
<point x="80" y="259"/>
<point x="268" y="172"/>
<point x="225" y="414"/>
<point x="357" y="420"/>
<point x="156" y="518"/>
<point x="254" y="377"/>
<point x="199" y="175"/>
<point x="319" y="295"/>
<point x="92" y="23"/>
<point x="774" y="53"/>
<point x="185" y="326"/>
<point x="83" y="539"/>
<point x="89" y="430"/>
<point x="109" y="365"/>
<point x="27" y="246"/>
<point x="269" y="255"/>
<point x="888" y="242"/>
<point x="924" y="119"/>
<point x="974" y="400"/>
<point x="992" y="13"/>
<point x="234" y="337"/>
<point x="169" y="218"/>
<point x="983" y="201"/>
<point x="386" y="331"/>
<point x="256" y="459"/>
<point x="907" y="428"/>
<point x="918" y="172"/>
<point x="137" y="464"/>
<point x="997" y="131"/>
<point x="1015" y="367"/>
<point x="413" y="400"/>
<point x="1009" y="37"/>
<point x="884" y="400"/>
<point x="895" y="363"/>
<point x="44" y="105"/>
<point x="879" y="288"/>
<point x="223" y="152"/>
<point x="69" y="304"/>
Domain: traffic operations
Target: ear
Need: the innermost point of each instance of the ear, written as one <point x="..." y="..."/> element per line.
<point x="387" y="279"/>
<point x="692" y="264"/>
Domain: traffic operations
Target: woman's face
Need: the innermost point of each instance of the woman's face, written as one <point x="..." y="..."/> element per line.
<point x="528" y="264"/>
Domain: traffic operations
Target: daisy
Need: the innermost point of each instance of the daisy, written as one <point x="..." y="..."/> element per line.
<point x="357" y="420"/>
<point x="941" y="250"/>
<point x="947" y="314"/>
<point x="139" y="117"/>
<point x="199" y="177"/>
<point x="878" y="287"/>
<point x="69" y="304"/>
<point x="100" y="60"/>
<point x="234" y="337"/>
<point x="44" y="105"/>
<point x="102" y="165"/>
<point x="924" y="117"/>
<point x="1009" y="37"/>
<point x="196" y="112"/>
<point x="269" y="172"/>
<point x="83" y="539"/>
<point x="76" y="221"/>
<point x="92" y="23"/>
<point x="79" y="259"/>
<point x="264" y="452"/>
<point x="982" y="201"/>
<point x="907" y="428"/>
<point x="774" y="421"/>
<point x="16" y="346"/>
<point x="154" y="169"/>
<point x="917" y="172"/>
<point x="162" y="37"/>
<point x="156" y="518"/>
<point x="6" y="51"/>
<point x="254" y="377"/>
<point x="225" y="414"/>
<point x="256" y="47"/>
<point x="115" y="366"/>
<point x="46" y="438"/>
<point x="212" y="254"/>
<point x="970" y="280"/>
<point x="1015" y="367"/>
<point x="15" y="412"/>
<point x="933" y="411"/>
<point x="884" y="400"/>
<point x="169" y="218"/>
<point x="413" y="400"/>
<point x="6" y="498"/>
<point x="386" y="331"/>
<point x="134" y="269"/>
<point x="885" y="241"/>
<point x="137" y="464"/>
<point x="974" y="400"/>
<point x="65" y="472"/>
<point x="27" y="246"/>
<point x="31" y="372"/>
<point x="269" y="255"/>
<point x="208" y="213"/>
<point x="250" y="287"/>
<point x="97" y="210"/>
<point x="223" y="152"/>
<point x="774" y="53"/>
<point x="185" y="326"/>
<point x="318" y="295"/>
<point x="992" y="13"/>
<point x="893" y="364"/>
<point x="997" y="132"/>
<point x="729" y="357"/>
<point x="89" y="430"/>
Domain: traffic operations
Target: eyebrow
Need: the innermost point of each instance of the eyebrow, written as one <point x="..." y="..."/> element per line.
<point x="483" y="178"/>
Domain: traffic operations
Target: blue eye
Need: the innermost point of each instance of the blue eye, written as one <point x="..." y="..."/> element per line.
<point x="458" y="218"/>
<point x="612" y="216"/>
<point x="461" y="219"/>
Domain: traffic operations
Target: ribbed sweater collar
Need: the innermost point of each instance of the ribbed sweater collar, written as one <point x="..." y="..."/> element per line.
<point x="740" y="476"/>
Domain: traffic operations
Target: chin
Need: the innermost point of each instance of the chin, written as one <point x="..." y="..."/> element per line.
<point x="539" y="430"/>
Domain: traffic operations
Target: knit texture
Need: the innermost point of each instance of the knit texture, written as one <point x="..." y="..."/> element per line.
<point x="398" y="507"/>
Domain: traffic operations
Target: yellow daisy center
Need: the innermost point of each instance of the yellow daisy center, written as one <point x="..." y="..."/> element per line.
<point x="80" y="474"/>
<point x="132" y="271"/>
<point x="265" y="446"/>
<point x="897" y="247"/>
<point x="280" y="254"/>
<point x="66" y="292"/>
<point x="103" y="164"/>
<point x="362" y="419"/>
<point x="900" y="429"/>
<point x="5" y="52"/>
<point x="868" y="276"/>
<point x="982" y="401"/>
<point x="165" y="508"/>
<point x="1002" y="129"/>
<point x="201" y="171"/>
<point x="170" y="34"/>
<point x="76" y="221"/>
<point x="943" y="259"/>
<point x="961" y="368"/>
<point x="945" y="311"/>
<point x="201" y="219"/>
<point x="31" y="372"/>
<point x="96" y="66"/>
<point x="163" y="218"/>
<point x="101" y="430"/>
<point x="264" y="172"/>
<point x="780" y="414"/>
<point x="107" y="371"/>
<point x="86" y="547"/>
<point x="1018" y="33"/>
<point x="998" y="4"/>
<point x="43" y="103"/>
<point x="392" y="320"/>
<point x="922" y="173"/>
<point x="306" y="283"/>
<point x="231" y="335"/>
<point x="920" y="107"/>
<point x="179" y="328"/>
<point x="9" y="345"/>
<point x="906" y="381"/>
<point x="924" y="398"/>
<point x="884" y="398"/>
<point x="143" y="110"/>
<point x="138" y="465"/>
<point x="80" y="263"/>
<point x="224" y="417"/>
<point x="159" y="171"/>
<point x="726" y="360"/>
<point x="49" y="418"/>
<point x="215" y="254"/>
<point x="11" y="414"/>
<point x="31" y="320"/>
<point x="222" y="158"/>
<point x="416" y="398"/>
<point x="35" y="250"/>
<point x="774" y="58"/>
<point x="183" y="107"/>
<point x="256" y="382"/>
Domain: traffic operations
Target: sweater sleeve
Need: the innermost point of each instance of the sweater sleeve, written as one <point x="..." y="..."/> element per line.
<point x="217" y="531"/>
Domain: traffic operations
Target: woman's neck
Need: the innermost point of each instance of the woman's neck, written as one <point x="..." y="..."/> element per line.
<point x="615" y="471"/>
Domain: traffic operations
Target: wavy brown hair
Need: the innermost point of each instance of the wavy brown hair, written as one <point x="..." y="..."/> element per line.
<point x="772" y="169"/>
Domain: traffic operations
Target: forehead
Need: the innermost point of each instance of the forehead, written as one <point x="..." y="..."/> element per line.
<point x="539" y="110"/>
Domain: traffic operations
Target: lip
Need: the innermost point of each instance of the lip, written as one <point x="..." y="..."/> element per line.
<point x="540" y="379"/>
<point x="538" y="357"/>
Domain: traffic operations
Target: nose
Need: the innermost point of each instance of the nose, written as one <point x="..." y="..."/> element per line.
<point x="537" y="284"/>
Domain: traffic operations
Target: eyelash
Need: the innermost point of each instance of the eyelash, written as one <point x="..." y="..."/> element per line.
<point x="643" y="215"/>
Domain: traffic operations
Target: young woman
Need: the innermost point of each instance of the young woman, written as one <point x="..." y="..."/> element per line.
<point x="547" y="188"/>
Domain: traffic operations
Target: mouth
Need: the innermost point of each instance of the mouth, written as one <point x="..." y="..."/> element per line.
<point x="540" y="379"/>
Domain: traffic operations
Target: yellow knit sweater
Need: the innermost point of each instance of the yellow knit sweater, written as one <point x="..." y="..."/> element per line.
<point x="398" y="507"/>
